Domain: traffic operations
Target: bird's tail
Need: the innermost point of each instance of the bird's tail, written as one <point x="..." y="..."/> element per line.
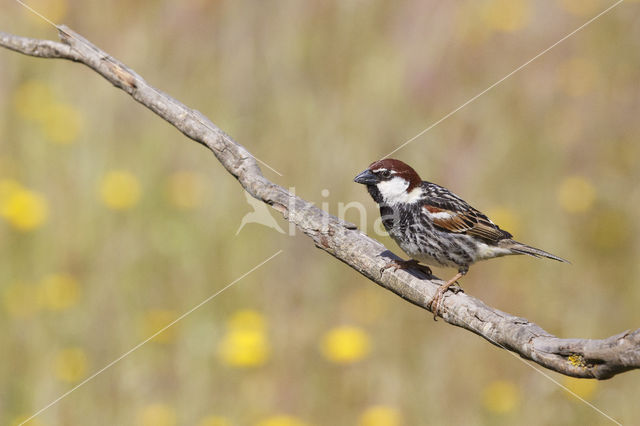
<point x="520" y="248"/>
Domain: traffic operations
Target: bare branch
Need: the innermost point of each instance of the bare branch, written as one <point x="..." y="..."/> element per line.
<point x="588" y="358"/>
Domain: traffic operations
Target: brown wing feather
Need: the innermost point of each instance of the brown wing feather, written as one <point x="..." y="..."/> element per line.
<point x="470" y="222"/>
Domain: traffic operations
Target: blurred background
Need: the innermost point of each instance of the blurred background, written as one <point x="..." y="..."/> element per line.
<point x="113" y="224"/>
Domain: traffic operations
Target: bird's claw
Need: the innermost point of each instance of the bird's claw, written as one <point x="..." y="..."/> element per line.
<point x="436" y="300"/>
<point x="434" y="303"/>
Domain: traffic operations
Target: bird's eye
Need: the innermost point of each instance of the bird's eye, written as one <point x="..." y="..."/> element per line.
<point x="385" y="173"/>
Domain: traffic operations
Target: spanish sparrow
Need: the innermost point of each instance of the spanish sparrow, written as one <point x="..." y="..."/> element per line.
<point x="434" y="226"/>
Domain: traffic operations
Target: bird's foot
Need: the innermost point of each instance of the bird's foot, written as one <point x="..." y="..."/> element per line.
<point x="436" y="300"/>
<point x="434" y="303"/>
<point x="406" y="264"/>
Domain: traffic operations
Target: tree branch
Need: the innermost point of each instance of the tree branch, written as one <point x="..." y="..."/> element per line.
<point x="588" y="358"/>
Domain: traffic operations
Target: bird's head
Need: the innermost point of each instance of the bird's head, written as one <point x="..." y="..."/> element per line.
<point x="391" y="181"/>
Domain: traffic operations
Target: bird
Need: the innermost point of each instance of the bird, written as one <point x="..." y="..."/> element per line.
<point x="434" y="226"/>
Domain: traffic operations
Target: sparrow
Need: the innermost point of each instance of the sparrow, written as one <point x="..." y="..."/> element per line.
<point x="433" y="226"/>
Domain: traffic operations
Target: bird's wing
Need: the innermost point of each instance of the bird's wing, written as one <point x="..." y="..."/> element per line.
<point x="450" y="213"/>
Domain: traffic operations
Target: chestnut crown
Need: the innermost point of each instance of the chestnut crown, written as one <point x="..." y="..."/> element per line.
<point x="387" y="169"/>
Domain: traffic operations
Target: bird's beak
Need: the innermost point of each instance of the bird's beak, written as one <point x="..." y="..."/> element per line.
<point x="366" y="178"/>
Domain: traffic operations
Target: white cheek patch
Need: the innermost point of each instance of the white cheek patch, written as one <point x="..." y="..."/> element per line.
<point x="393" y="187"/>
<point x="394" y="191"/>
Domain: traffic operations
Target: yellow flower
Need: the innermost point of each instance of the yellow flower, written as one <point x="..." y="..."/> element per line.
<point x="70" y="364"/>
<point x="25" y="210"/>
<point x="345" y="344"/>
<point x="244" y="348"/>
<point x="156" y="319"/>
<point x="32" y="100"/>
<point x="120" y="190"/>
<point x="505" y="218"/>
<point x="506" y="15"/>
<point x="582" y="7"/>
<point x="281" y="420"/>
<point x="185" y="190"/>
<point x="576" y="194"/>
<point x="380" y="415"/>
<point x="584" y="388"/>
<point x="62" y="123"/>
<point x="214" y="421"/>
<point x="577" y="76"/>
<point x="59" y="292"/>
<point x="501" y="397"/>
<point x="247" y="319"/>
<point x="157" y="415"/>
<point x="20" y="300"/>
<point x="245" y="343"/>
